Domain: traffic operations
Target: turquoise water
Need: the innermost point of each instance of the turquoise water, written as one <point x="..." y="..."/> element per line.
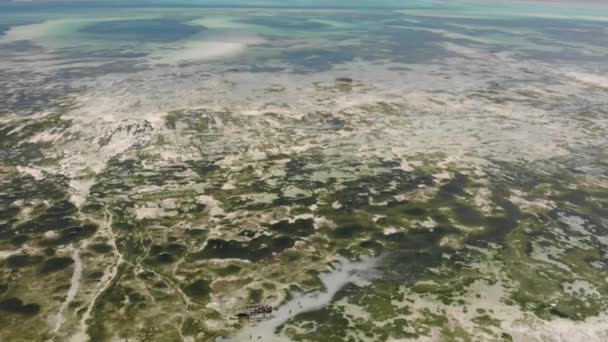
<point x="400" y="31"/>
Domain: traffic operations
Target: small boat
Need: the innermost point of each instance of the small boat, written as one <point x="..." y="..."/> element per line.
<point x="255" y="311"/>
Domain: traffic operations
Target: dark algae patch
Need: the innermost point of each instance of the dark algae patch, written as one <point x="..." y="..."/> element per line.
<point x="101" y="247"/>
<point x="56" y="264"/>
<point x="467" y="215"/>
<point x="23" y="260"/>
<point x="199" y="289"/>
<point x="300" y="227"/>
<point x="256" y="249"/>
<point x="16" y="306"/>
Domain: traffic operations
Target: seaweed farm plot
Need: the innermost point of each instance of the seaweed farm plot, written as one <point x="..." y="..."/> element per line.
<point x="376" y="172"/>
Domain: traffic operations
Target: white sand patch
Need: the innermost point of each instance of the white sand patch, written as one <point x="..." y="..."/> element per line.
<point x="81" y="335"/>
<point x="212" y="206"/>
<point x="460" y="49"/>
<point x="574" y="222"/>
<point x="452" y="241"/>
<point x="594" y="79"/>
<point x="34" y="172"/>
<point x="373" y="202"/>
<point x="483" y="200"/>
<point x="301" y="148"/>
<point x="390" y="230"/>
<point x="294" y="192"/>
<point x="34" y="31"/>
<point x="207" y="49"/>
<point x="256" y="154"/>
<point x="406" y="166"/>
<point x="169" y="203"/>
<point x="427" y="223"/>
<point x="72" y="291"/>
<point x="517" y="197"/>
<point x="51" y="235"/>
<point x="229" y="185"/>
<point x="223" y="22"/>
<point x="151" y="213"/>
<point x="260" y="197"/>
<point x="443" y="176"/>
<point x="80" y="188"/>
<point x="353" y="310"/>
<point x="603" y="239"/>
<point x="323" y="222"/>
<point x="548" y="253"/>
<point x="6" y="254"/>
<point x="46" y="136"/>
<point x="581" y="288"/>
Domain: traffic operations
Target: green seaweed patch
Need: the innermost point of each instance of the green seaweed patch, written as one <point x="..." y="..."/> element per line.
<point x="415" y="211"/>
<point x="312" y="280"/>
<point x="539" y="286"/>
<point x="576" y="309"/>
<point x="300" y="227"/>
<point x="377" y="300"/>
<point x="372" y="245"/>
<point x="381" y="187"/>
<point x="199" y="289"/>
<point x="101" y="248"/>
<point x="452" y="332"/>
<point x="228" y="270"/>
<point x="466" y="214"/>
<point x="198" y="120"/>
<point x="95" y="275"/>
<point x="497" y="228"/>
<point x="331" y="325"/>
<point x="22" y="260"/>
<point x="347" y="231"/>
<point x="418" y="238"/>
<point x="255" y="296"/>
<point x="350" y="224"/>
<point x="300" y="201"/>
<point x="56" y="264"/>
<point x="191" y="327"/>
<point x="261" y="247"/>
<point x="165" y="253"/>
<point x="400" y="214"/>
<point x="454" y="187"/>
<point x="118" y="298"/>
<point x="430" y="319"/>
<point x="9" y="213"/>
<point x="20" y="240"/>
<point x="14" y="137"/>
<point x="407" y="266"/>
<point x="74" y="233"/>
<point x="486" y="320"/>
<point x="58" y="216"/>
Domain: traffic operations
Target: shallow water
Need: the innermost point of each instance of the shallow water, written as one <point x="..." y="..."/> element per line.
<point x="342" y="272"/>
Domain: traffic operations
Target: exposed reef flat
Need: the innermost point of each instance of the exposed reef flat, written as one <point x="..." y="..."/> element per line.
<point x="381" y="198"/>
